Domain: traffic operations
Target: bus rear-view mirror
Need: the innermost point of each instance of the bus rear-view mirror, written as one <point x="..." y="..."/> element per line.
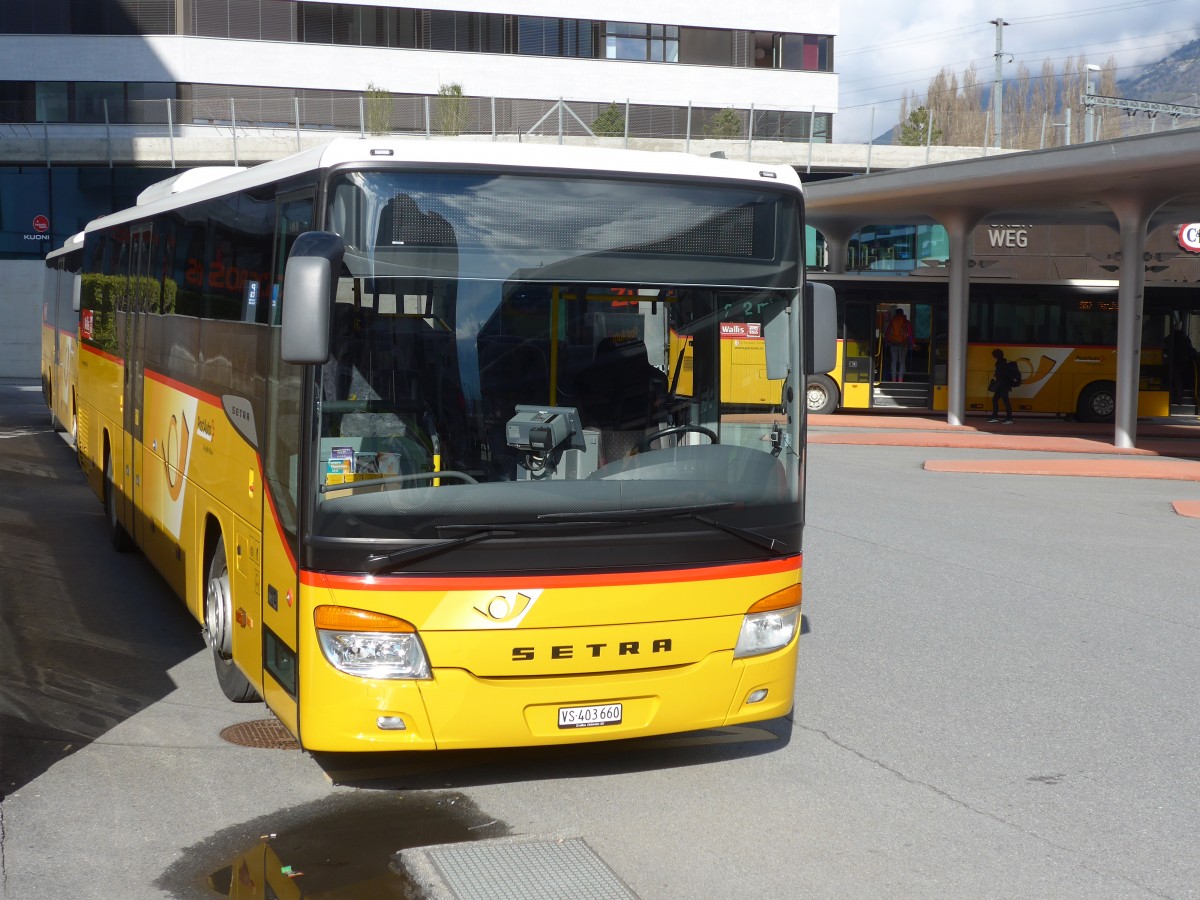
<point x="820" y="328"/>
<point x="309" y="288"/>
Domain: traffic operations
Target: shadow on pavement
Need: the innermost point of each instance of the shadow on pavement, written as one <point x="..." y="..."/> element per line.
<point x="86" y="635"/>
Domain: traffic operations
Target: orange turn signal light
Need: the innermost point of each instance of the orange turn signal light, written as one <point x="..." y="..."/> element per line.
<point x="789" y="596"/>
<point x="343" y="618"/>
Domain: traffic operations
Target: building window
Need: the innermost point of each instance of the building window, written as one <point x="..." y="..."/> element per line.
<point x="633" y="40"/>
<point x="706" y="46"/>
<point x="806" y="52"/>
<point x="50" y="101"/>
<point x="99" y="101"/>
<point x="763" y="52"/>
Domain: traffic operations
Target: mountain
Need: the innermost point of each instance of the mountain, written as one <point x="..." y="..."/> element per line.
<point x="1174" y="79"/>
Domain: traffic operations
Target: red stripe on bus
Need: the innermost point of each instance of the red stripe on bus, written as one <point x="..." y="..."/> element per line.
<point x="499" y="581"/>
<point x="168" y="381"/>
<point x="88" y="348"/>
<point x="284" y="540"/>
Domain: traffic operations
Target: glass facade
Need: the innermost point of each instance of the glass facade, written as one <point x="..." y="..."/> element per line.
<point x="414" y="28"/>
<point x="68" y="196"/>
<point x="896" y="248"/>
<point x="78" y="101"/>
<point x="632" y="40"/>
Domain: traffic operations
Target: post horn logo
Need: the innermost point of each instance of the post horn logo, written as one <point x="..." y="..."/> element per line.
<point x="507" y="608"/>
<point x="175" y="458"/>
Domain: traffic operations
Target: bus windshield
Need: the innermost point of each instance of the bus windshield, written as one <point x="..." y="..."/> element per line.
<point x="541" y="358"/>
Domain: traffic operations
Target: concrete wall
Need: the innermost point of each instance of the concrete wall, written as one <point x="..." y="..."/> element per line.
<point x="21" y="313"/>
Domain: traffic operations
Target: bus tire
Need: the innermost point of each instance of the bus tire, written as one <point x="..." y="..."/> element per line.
<point x="1098" y="402"/>
<point x="117" y="535"/>
<point x="820" y="394"/>
<point x="218" y="628"/>
<point x="48" y="393"/>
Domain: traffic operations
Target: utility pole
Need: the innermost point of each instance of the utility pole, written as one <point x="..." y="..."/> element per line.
<point x="998" y="80"/>
<point x="1089" y="112"/>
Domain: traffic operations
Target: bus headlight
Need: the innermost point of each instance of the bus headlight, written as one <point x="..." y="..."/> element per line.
<point x="370" y="645"/>
<point x="769" y="624"/>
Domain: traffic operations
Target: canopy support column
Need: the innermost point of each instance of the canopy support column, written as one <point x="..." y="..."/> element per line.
<point x="960" y="230"/>
<point x="1133" y="214"/>
<point x="837" y="241"/>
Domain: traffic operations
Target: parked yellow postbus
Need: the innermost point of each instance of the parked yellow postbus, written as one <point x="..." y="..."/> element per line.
<point x="374" y="413"/>
<point x="60" y="322"/>
<point x="1061" y="334"/>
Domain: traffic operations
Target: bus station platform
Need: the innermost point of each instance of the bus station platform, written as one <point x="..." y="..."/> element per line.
<point x="1168" y="449"/>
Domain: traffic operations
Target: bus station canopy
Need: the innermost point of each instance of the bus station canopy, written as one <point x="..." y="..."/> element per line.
<point x="1133" y="185"/>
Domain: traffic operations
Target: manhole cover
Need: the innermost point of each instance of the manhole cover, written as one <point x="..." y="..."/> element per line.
<point x="267" y="734"/>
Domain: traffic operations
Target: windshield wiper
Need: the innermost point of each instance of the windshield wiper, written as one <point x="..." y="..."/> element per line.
<point x="379" y="561"/>
<point x="642" y="516"/>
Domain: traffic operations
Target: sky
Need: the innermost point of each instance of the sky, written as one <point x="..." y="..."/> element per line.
<point x="886" y="49"/>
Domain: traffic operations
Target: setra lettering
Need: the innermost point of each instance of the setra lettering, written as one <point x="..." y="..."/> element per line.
<point x="595" y="651"/>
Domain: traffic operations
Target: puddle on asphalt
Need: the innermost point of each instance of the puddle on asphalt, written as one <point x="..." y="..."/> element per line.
<point x="340" y="847"/>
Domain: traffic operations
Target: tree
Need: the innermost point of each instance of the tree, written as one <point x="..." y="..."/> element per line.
<point x="916" y="130"/>
<point x="1034" y="108"/>
<point x="610" y="122"/>
<point x="453" y="109"/>
<point x="378" y="109"/>
<point x="725" y="124"/>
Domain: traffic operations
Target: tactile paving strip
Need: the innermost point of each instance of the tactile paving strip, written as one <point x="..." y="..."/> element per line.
<point x="530" y="870"/>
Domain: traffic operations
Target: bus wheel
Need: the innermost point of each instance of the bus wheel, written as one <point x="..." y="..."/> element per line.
<point x="1098" y="402"/>
<point x="117" y="534"/>
<point x="821" y="394"/>
<point x="218" y="629"/>
<point x="48" y="393"/>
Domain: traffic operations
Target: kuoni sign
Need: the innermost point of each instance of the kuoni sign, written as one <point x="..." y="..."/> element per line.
<point x="41" y="229"/>
<point x="1189" y="237"/>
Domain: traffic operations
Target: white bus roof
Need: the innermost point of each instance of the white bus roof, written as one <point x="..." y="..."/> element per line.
<point x="185" y="181"/>
<point x="207" y="183"/>
<point x="74" y="242"/>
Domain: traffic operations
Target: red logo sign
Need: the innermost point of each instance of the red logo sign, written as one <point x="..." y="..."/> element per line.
<point x="41" y="224"/>
<point x="1189" y="237"/>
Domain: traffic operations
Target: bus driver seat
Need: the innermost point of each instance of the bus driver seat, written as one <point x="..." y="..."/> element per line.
<point x="621" y="394"/>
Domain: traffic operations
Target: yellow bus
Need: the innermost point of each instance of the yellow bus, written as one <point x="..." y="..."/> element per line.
<point x="60" y="321"/>
<point x="1061" y="334"/>
<point x="395" y="420"/>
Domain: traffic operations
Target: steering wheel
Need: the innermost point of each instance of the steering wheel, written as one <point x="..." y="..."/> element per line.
<point x="644" y="444"/>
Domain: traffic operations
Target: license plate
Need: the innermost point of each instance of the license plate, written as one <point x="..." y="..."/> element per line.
<point x="589" y="716"/>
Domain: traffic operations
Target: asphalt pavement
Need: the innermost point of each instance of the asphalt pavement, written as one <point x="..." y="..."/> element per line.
<point x="996" y="699"/>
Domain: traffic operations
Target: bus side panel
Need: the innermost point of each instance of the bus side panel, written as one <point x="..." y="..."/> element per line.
<point x="100" y="380"/>
<point x="743" y="367"/>
<point x="279" y="622"/>
<point x="168" y="429"/>
<point x="201" y="481"/>
<point x="1052" y="377"/>
<point x="64" y="380"/>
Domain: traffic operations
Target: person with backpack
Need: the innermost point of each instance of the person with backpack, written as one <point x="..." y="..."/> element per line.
<point x="1007" y="375"/>
<point x="899" y="337"/>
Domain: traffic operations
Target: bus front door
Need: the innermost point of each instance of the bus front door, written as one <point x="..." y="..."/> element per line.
<point x="139" y="301"/>
<point x="860" y="368"/>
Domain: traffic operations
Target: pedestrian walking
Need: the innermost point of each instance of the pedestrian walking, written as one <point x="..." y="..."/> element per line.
<point x="1005" y="377"/>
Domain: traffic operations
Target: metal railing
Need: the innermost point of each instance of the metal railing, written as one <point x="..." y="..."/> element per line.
<point x="245" y="130"/>
<point x="299" y="121"/>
